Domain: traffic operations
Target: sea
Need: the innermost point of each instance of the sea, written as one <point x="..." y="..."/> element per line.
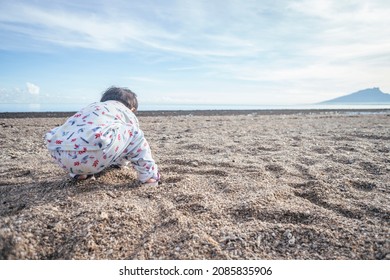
<point x="69" y="107"/>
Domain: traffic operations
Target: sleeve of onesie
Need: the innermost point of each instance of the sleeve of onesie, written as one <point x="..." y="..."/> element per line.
<point x="138" y="151"/>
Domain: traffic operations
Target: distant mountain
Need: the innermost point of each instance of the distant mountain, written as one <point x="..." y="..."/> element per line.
<point x="370" y="95"/>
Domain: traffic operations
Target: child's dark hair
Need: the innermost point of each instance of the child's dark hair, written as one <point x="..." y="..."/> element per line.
<point x="123" y="95"/>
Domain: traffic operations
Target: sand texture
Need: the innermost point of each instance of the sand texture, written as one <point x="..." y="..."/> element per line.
<point x="248" y="186"/>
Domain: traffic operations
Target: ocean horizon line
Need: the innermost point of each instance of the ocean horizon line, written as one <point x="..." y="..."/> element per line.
<point x="74" y="107"/>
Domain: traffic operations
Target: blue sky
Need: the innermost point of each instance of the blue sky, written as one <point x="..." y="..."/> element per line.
<point x="225" y="52"/>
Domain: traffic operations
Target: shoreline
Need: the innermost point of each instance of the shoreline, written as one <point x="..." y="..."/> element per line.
<point x="11" y="115"/>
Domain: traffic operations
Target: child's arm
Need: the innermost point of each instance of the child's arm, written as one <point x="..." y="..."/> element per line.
<point x="140" y="155"/>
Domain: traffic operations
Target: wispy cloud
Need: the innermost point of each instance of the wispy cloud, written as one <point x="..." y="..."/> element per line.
<point x="189" y="28"/>
<point x="123" y="31"/>
<point x="201" y="28"/>
<point x="71" y="28"/>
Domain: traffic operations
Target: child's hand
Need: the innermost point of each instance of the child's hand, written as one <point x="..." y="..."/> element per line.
<point x="151" y="180"/>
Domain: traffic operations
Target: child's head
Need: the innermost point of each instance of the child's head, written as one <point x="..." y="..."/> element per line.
<point x="123" y="95"/>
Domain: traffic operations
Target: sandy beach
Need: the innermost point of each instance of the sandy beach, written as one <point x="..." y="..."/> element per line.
<point x="235" y="185"/>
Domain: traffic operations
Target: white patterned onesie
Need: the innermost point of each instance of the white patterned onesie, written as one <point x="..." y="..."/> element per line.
<point x="100" y="135"/>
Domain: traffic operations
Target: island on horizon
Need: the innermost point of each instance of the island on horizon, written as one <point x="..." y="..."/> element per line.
<point x="366" y="96"/>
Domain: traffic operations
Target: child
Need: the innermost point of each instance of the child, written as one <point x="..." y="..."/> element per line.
<point x="103" y="134"/>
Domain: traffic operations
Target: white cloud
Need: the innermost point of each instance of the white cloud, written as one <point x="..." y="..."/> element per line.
<point x="216" y="29"/>
<point x="193" y="29"/>
<point x="32" y="89"/>
<point x="71" y="28"/>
